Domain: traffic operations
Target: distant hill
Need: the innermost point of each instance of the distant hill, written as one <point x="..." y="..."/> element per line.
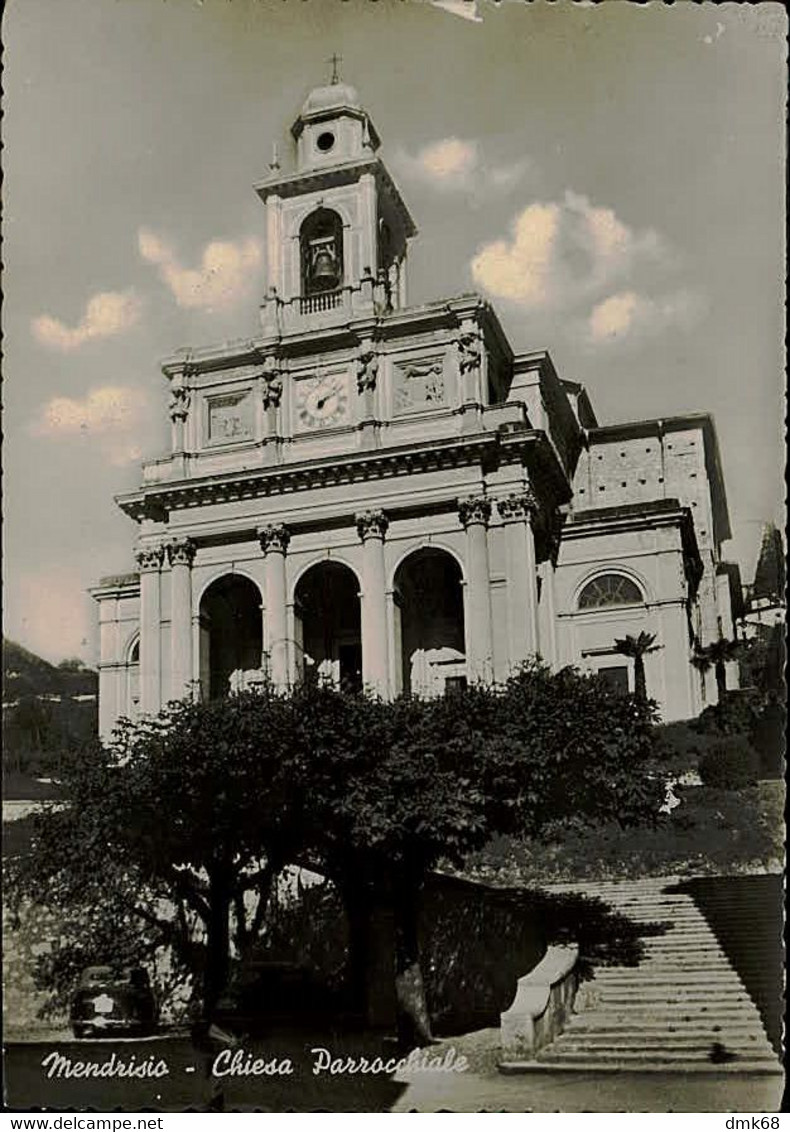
<point x="48" y="709"/>
<point x="25" y="674"/>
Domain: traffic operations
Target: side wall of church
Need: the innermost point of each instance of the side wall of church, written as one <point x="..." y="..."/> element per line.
<point x="653" y="559"/>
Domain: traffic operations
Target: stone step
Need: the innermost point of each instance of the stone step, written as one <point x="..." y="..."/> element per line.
<point x="684" y="1001"/>
<point x="696" y="1002"/>
<point x="642" y="1039"/>
<point x="660" y="1055"/>
<point x="593" y="1065"/>
<point x="714" y="981"/>
<point x="609" y="1023"/>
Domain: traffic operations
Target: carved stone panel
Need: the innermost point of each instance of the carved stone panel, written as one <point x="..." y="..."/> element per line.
<point x="230" y="417"/>
<point x="419" y="384"/>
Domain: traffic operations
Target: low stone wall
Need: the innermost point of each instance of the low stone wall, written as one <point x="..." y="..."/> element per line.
<point x="544" y="999"/>
<point x="23" y="943"/>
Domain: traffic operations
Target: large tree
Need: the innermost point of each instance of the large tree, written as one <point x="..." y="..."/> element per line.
<point x="195" y="808"/>
<point x="207" y="802"/>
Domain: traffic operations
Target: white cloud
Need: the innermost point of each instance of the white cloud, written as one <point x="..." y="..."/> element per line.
<point x="111" y="413"/>
<point x="630" y="316"/>
<point x="522" y="270"/>
<point x="562" y="252"/>
<point x="448" y="159"/>
<point x="456" y="165"/>
<point x="106" y="314"/>
<point x="223" y="276"/>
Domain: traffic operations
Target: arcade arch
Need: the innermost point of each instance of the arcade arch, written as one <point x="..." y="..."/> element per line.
<point x="231" y="633"/>
<point x="328" y="624"/>
<point x="429" y="622"/>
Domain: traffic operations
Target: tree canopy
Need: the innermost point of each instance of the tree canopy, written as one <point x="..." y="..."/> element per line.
<point x="204" y="804"/>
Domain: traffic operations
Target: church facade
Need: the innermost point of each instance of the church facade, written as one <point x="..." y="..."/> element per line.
<point x="391" y="495"/>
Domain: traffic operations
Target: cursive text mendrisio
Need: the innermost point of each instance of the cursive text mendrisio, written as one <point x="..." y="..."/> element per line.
<point x="58" y="1065"/>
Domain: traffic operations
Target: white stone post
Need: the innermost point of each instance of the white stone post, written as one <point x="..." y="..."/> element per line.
<point x="547" y="644"/>
<point x="474" y="513"/>
<point x="516" y="511"/>
<point x="368" y="244"/>
<point x="372" y="527"/>
<point x="274" y="544"/>
<point x="181" y="554"/>
<point x="149" y="561"/>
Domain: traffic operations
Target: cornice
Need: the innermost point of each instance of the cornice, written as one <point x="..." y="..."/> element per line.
<point x="641" y="516"/>
<point x="488" y="450"/>
<point x="346" y="172"/>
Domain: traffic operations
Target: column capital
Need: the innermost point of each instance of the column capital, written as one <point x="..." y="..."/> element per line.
<point x="372" y="524"/>
<point x="474" y="509"/>
<point x="274" y="537"/>
<point x="181" y="552"/>
<point x="149" y="558"/>
<point x="518" y="506"/>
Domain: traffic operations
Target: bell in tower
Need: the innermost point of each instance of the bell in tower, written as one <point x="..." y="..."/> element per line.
<point x="323" y="274"/>
<point x="321" y="237"/>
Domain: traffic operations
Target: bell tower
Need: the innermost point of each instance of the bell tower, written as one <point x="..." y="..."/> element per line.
<point x="336" y="227"/>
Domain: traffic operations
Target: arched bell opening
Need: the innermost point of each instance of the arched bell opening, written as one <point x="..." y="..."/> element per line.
<point x="429" y="623"/>
<point x="321" y="252"/>
<point x="329" y="624"/>
<point x="231" y="636"/>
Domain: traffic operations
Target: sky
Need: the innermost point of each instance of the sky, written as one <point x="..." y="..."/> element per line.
<point x="611" y="177"/>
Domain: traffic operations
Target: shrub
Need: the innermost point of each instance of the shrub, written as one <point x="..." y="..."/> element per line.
<point x="768" y="738"/>
<point x="735" y="715"/>
<point x="731" y="765"/>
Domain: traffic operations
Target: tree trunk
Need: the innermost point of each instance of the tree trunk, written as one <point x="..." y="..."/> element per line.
<point x="721" y="680"/>
<point x="358" y="915"/>
<point x="215" y="978"/>
<point x="640" y="682"/>
<point x="414" y="1024"/>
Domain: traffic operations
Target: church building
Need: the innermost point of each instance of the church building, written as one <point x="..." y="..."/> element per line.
<point x="390" y="494"/>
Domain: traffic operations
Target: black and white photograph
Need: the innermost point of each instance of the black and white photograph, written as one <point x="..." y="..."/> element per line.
<point x="394" y="694"/>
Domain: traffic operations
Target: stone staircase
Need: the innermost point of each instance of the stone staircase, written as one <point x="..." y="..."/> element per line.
<point x="683" y="1007"/>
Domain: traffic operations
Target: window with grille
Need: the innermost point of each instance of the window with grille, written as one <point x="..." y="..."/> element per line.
<point x="610" y="589"/>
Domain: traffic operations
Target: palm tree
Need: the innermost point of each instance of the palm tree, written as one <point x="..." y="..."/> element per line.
<point x="637" y="647"/>
<point x="716" y="656"/>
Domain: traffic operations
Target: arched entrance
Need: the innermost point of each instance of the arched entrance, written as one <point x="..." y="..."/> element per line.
<point x="429" y="622"/>
<point x="328" y="623"/>
<point x="231" y="638"/>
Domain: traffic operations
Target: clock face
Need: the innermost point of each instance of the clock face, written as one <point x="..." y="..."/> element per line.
<point x="322" y="401"/>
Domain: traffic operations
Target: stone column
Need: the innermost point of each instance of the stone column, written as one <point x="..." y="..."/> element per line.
<point x="548" y="621"/>
<point x="274" y="541"/>
<point x="181" y="554"/>
<point x="516" y="511"/>
<point x="372" y="527"/>
<point x="474" y="513"/>
<point x="149" y="561"/>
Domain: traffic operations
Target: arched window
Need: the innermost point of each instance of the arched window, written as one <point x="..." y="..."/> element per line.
<point x="321" y="249"/>
<point x="610" y="589"/>
<point x="133" y="680"/>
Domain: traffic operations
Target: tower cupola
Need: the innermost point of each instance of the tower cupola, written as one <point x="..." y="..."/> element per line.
<point x="333" y="127"/>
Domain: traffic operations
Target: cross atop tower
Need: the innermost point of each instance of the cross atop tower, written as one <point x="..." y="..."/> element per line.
<point x="334" y="61"/>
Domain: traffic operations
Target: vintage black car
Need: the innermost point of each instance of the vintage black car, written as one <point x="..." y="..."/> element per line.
<point x="113" y="1001"/>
